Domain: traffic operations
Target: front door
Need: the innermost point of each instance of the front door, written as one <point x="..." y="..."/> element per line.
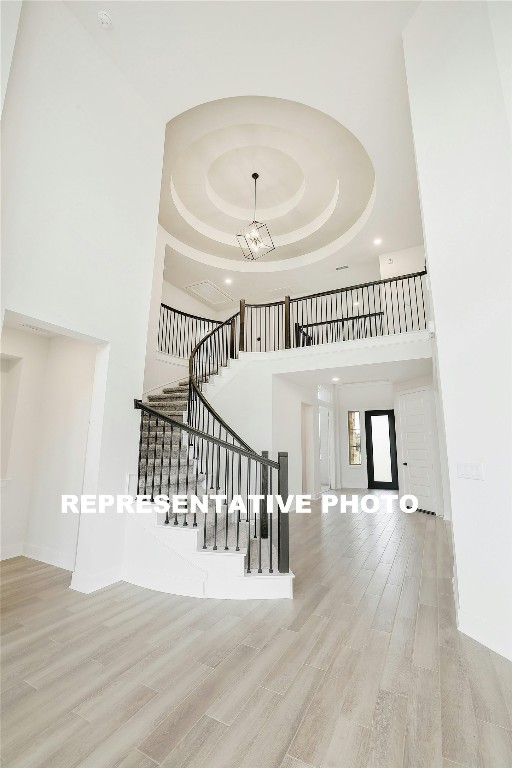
<point x="381" y="450"/>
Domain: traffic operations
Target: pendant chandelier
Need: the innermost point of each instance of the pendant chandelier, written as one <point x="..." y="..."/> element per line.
<point x="255" y="240"/>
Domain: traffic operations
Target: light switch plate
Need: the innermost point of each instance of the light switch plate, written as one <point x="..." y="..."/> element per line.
<point x="470" y="471"/>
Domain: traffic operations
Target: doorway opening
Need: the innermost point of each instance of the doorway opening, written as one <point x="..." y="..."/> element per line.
<point x="325" y="438"/>
<point x="381" y="457"/>
<point x="307" y="448"/>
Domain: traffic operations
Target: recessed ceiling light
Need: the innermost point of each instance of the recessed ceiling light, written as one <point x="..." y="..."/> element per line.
<point x="335" y="378"/>
<point x="377" y="241"/>
<point x="228" y="281"/>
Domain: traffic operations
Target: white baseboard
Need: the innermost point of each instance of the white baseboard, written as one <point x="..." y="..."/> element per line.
<point x="50" y="556"/>
<point x="90" y="582"/>
<point x="11" y="550"/>
<point x="489" y="635"/>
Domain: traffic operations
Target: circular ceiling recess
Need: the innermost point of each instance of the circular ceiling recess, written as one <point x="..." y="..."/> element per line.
<point x="315" y="187"/>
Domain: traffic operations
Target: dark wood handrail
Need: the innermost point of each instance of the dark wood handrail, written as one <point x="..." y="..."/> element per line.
<point x="195" y="385"/>
<point x="341" y="319"/>
<point x="187" y="314"/>
<point x="339" y="290"/>
<point x="361" y="285"/>
<point x="249" y="453"/>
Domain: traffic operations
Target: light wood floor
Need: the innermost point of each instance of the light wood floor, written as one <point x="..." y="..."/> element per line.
<point x="364" y="668"/>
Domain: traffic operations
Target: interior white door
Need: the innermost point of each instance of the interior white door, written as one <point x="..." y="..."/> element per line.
<point x="324" y="446"/>
<point x="417" y="448"/>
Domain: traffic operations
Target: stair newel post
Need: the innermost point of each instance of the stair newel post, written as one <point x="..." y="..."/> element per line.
<point x="283" y="522"/>
<point x="264" y="493"/>
<point x="232" y="345"/>
<point x="139" y="464"/>
<point x="242" y="326"/>
<point x="287" y="333"/>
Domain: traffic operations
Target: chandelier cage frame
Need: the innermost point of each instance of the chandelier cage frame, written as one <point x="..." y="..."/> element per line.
<point x="255" y="239"/>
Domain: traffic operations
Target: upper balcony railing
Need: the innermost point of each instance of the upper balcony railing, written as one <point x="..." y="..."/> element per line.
<point x="179" y="332"/>
<point x="384" y="307"/>
<point x="381" y="308"/>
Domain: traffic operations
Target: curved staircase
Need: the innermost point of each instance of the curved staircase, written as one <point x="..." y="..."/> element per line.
<point x="187" y="449"/>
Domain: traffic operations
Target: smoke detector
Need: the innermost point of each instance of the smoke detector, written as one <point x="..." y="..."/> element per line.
<point x="105" y="19"/>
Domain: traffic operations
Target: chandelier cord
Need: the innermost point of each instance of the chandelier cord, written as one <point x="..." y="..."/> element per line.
<point x="254" y="217"/>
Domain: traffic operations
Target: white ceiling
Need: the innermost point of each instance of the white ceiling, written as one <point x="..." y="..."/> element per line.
<point x="393" y="372"/>
<point x="316" y="179"/>
<point x="341" y="59"/>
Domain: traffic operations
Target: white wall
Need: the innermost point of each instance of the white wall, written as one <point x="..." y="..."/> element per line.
<point x="363" y="397"/>
<point x="10" y="16"/>
<point x="49" y="390"/>
<point x="61" y="441"/>
<point x="463" y="150"/>
<point x="161" y="369"/>
<point x="265" y="410"/>
<point x="242" y="396"/>
<point x="287" y="400"/>
<point x="179" y="299"/>
<point x="257" y="399"/>
<point x="405" y="262"/>
<point x="10" y="374"/>
<point x="29" y="354"/>
<point x="82" y="158"/>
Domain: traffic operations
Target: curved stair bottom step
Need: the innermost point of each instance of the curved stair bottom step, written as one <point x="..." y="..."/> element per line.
<point x="170" y="559"/>
<point x="216" y="540"/>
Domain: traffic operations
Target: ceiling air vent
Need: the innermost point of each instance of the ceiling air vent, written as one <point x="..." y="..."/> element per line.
<point x="343" y="266"/>
<point x="207" y="291"/>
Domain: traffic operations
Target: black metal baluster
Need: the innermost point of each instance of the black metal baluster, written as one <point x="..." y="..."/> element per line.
<point x="187" y="473"/>
<point x="180" y="443"/>
<point x="154" y="462"/>
<point x="226" y="488"/>
<point x="148" y="421"/>
<point x="162" y="456"/>
<point x="139" y="464"/>
<point x="399" y="303"/>
<point x="262" y="501"/>
<point x="270" y="518"/>
<point x="415" y="281"/>
<point x="283" y="540"/>
<point x="423" y="302"/>
<point x="240" y="493"/>
<point x="410" y="302"/>
<point x="171" y="444"/>
<point x="256" y="489"/>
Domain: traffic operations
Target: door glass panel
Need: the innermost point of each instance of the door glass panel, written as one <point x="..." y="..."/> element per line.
<point x="381" y="449"/>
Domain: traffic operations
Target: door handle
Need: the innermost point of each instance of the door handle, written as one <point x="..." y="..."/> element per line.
<point x="405" y="463"/>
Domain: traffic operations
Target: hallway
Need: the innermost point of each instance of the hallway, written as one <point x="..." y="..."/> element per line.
<point x="365" y="667"/>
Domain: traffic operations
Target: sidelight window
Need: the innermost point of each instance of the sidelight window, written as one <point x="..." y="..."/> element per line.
<point x="354" y="437"/>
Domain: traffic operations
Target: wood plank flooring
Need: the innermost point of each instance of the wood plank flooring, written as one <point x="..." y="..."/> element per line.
<point x="365" y="668"/>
